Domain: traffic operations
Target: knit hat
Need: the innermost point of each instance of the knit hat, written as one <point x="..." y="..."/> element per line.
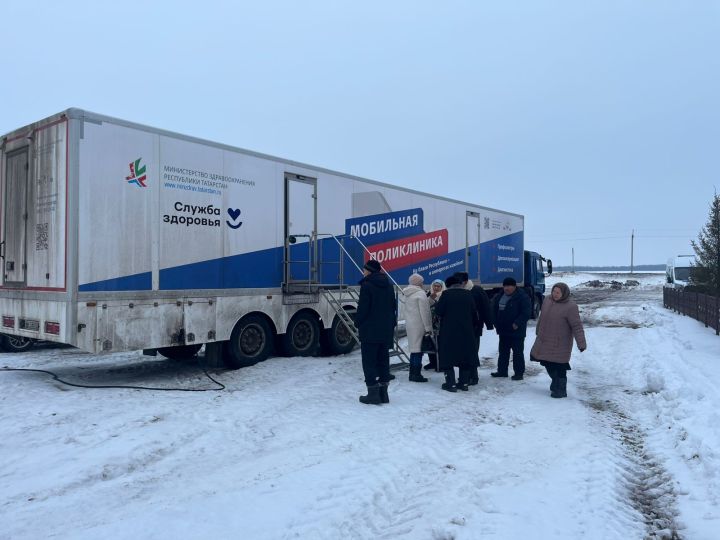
<point x="372" y="266"/>
<point x="416" y="279"/>
<point x="509" y="281"/>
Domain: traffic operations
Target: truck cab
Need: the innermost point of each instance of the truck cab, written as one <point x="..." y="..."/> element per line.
<point x="534" y="283"/>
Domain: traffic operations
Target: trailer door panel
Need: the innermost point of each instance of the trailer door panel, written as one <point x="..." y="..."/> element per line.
<point x="46" y="204"/>
<point x="300" y="230"/>
<point x="15" y="212"/>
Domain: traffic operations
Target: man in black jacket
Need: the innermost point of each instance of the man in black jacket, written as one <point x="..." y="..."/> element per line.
<point x="485" y="317"/>
<point x="512" y="311"/>
<point x="375" y="320"/>
<point x="456" y="341"/>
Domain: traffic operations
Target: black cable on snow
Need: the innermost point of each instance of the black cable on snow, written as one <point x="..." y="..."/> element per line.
<point x="220" y="385"/>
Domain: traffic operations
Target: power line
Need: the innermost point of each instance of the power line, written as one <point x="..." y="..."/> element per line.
<point x="620" y="234"/>
<point x="623" y="237"/>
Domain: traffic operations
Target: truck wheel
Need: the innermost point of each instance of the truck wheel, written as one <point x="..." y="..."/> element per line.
<point x="337" y="339"/>
<point x="181" y="352"/>
<point x="15" y="344"/>
<point x="302" y="337"/>
<point x="537" y="304"/>
<point x="250" y="342"/>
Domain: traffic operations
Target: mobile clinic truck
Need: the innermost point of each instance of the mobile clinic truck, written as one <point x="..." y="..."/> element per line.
<point x="117" y="236"/>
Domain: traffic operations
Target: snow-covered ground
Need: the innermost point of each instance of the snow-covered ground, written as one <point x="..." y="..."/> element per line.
<point x="288" y="452"/>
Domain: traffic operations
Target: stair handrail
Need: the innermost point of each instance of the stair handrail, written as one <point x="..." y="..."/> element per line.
<point x="345" y="251"/>
<point x="381" y="266"/>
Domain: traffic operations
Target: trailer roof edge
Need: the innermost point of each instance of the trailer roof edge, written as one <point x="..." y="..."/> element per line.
<point x="76" y="113"/>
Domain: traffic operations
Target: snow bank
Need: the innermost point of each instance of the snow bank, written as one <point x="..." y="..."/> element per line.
<point x="646" y="280"/>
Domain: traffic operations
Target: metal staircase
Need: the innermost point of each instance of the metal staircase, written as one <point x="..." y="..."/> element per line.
<point x="342" y="298"/>
<point x="339" y="299"/>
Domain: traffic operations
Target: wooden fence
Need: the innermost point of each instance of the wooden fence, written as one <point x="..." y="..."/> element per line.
<point x="701" y="307"/>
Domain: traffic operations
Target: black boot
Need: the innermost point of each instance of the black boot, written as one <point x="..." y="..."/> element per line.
<point x="432" y="364"/>
<point x="373" y="395"/>
<point x="474" y="378"/>
<point x="415" y="375"/>
<point x="550" y="368"/>
<point x="384" y="398"/>
<point x="449" y="383"/>
<point x="560" y="388"/>
<point x="498" y="374"/>
<point x="462" y="381"/>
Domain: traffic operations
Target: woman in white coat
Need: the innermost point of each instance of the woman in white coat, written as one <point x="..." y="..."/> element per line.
<point x="418" y="322"/>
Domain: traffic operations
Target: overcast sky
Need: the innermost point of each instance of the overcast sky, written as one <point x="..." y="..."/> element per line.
<point x="590" y="118"/>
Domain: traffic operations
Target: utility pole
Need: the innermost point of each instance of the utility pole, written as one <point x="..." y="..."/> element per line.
<point x="573" y="260"/>
<point x="632" y="251"/>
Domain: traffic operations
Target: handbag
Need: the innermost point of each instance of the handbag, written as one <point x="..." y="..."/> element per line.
<point x="428" y="344"/>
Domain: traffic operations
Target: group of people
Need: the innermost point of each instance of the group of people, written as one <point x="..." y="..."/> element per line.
<point x="447" y="321"/>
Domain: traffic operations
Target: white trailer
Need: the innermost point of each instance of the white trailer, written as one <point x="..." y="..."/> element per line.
<point x="117" y="236"/>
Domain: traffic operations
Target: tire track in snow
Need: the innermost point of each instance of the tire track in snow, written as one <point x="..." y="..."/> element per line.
<point x="646" y="486"/>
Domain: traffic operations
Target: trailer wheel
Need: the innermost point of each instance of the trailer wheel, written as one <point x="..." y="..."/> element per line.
<point x="250" y="342"/>
<point x="16" y="344"/>
<point x="181" y="352"/>
<point x="337" y="339"/>
<point x="302" y="337"/>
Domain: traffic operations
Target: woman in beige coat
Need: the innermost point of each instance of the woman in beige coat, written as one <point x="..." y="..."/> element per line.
<point x="559" y="322"/>
<point x="418" y="322"/>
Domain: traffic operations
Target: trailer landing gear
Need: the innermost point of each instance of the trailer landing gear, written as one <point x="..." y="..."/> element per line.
<point x="181" y="352"/>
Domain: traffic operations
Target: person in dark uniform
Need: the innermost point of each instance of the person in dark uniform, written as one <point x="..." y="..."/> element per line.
<point x="456" y="342"/>
<point x="485" y="317"/>
<point x="375" y="319"/>
<point x="512" y="312"/>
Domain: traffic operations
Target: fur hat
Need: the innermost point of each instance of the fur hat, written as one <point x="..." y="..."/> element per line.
<point x="452" y="280"/>
<point x="372" y="266"/>
<point x="462" y="276"/>
<point x="416" y="279"/>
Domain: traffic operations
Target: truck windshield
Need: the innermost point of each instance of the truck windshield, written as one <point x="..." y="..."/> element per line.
<point x="682" y="274"/>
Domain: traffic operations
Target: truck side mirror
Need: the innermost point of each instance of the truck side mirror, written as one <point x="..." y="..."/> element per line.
<point x="549" y="266"/>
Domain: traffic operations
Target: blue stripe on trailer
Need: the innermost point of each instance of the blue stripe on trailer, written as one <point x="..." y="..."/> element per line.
<point x="135" y="282"/>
